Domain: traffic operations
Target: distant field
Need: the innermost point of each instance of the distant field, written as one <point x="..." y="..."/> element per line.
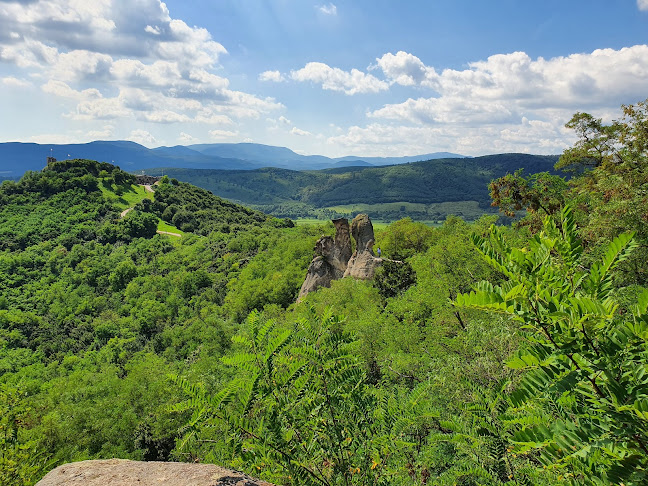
<point x="308" y="221"/>
<point x="377" y="224"/>
<point x="434" y="213"/>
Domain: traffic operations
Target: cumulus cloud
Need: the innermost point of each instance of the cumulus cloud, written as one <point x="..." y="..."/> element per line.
<point x="187" y="138"/>
<point x="63" y="90"/>
<point x="406" y="69"/>
<point x="142" y="137"/>
<point x="335" y="79"/>
<point x="143" y="63"/>
<point x="223" y="134"/>
<point x="506" y="87"/>
<point x="527" y="136"/>
<point x="14" y="82"/>
<point x="642" y="5"/>
<point x="507" y="102"/>
<point x="104" y="134"/>
<point x="299" y="132"/>
<point x="274" y="76"/>
<point x="328" y="9"/>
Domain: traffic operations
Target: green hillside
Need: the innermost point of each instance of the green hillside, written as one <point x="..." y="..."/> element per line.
<point x="286" y="193"/>
<point x="96" y="309"/>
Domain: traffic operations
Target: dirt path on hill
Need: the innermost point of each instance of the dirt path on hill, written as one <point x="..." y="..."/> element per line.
<point x="128" y="210"/>
<point x="159" y="232"/>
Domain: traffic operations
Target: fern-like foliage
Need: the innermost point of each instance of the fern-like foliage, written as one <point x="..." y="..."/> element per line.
<point x="585" y="364"/>
<point x="299" y="410"/>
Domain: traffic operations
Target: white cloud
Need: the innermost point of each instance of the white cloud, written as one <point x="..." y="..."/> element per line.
<point x="152" y="30"/>
<point x="284" y="121"/>
<point x="222" y="134"/>
<point x="63" y="90"/>
<point x="527" y="136"/>
<point x="15" y="82"/>
<point x="104" y="134"/>
<point x="142" y="137"/>
<point x="274" y="76"/>
<point x="207" y="116"/>
<point x="336" y="79"/>
<point x="28" y="53"/>
<point x="328" y="9"/>
<point x="405" y="69"/>
<point x="299" y="132"/>
<point x="642" y="5"/>
<point x="446" y="110"/>
<point x="506" y="103"/>
<point x="187" y="138"/>
<point x="163" y="116"/>
<point x="100" y="109"/>
<point x="506" y="87"/>
<point x="142" y="63"/>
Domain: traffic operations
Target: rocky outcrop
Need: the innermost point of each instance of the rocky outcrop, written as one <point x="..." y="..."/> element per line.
<point x="330" y="259"/>
<point x="363" y="233"/>
<point x="363" y="263"/>
<point x="333" y="259"/>
<point x="120" y="472"/>
<point x="341" y="251"/>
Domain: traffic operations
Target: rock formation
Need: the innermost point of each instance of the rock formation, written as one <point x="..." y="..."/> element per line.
<point x="330" y="260"/>
<point x="120" y="472"/>
<point x="363" y="262"/>
<point x="363" y="233"/>
<point x="333" y="259"/>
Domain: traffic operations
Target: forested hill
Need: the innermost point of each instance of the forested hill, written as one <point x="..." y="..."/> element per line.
<point x="96" y="308"/>
<point x="290" y="193"/>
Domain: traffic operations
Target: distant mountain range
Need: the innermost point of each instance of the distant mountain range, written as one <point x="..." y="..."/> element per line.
<point x="16" y="158"/>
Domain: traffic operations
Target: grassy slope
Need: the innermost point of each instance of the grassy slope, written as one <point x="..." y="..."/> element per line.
<point x="124" y="195"/>
<point x="128" y="195"/>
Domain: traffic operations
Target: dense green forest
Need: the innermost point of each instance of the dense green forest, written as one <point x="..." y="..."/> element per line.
<point x="424" y="191"/>
<point x="492" y="355"/>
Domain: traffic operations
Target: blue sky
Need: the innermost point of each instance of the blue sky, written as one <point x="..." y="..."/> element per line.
<point x="337" y="78"/>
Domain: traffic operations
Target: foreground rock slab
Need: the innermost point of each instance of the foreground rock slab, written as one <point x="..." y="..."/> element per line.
<point x="121" y="472"/>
